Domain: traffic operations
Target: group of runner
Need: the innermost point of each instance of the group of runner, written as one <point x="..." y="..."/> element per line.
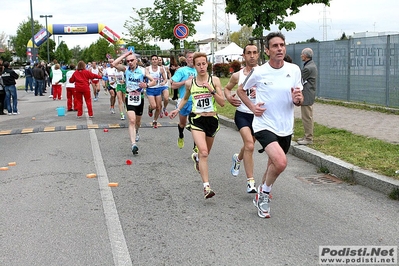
<point x="265" y="98"/>
<point x="114" y="84"/>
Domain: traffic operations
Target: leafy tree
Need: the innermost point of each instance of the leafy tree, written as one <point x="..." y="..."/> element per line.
<point x="76" y="53"/>
<point x="309" y="40"/>
<point x="98" y="51"/>
<point x="263" y="14"/>
<point x="165" y="16"/>
<point x="241" y="37"/>
<point x="343" y="37"/>
<point x="24" y="34"/>
<point x="3" y="40"/>
<point x="101" y="48"/>
<point x="139" y="31"/>
<point x="87" y="54"/>
<point x="6" y="56"/>
<point x="43" y="50"/>
<point x="63" y="54"/>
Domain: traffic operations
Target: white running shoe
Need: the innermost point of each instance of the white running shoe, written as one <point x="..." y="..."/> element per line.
<point x="261" y="202"/>
<point x="251" y="188"/>
<point x="235" y="167"/>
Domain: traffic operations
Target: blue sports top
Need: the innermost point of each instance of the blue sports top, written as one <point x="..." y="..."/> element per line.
<point x="183" y="73"/>
<point x="133" y="79"/>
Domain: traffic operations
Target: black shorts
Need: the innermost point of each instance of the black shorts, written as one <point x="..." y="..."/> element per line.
<point x="137" y="109"/>
<point x="207" y="124"/>
<point x="265" y="137"/>
<point x="243" y="120"/>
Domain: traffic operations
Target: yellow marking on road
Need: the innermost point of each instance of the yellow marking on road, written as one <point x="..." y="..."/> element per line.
<point x="92" y="126"/>
<point x="48" y="129"/>
<point x="5" y="132"/>
<point x="71" y="127"/>
<point x="27" y="130"/>
<point x="114" y="126"/>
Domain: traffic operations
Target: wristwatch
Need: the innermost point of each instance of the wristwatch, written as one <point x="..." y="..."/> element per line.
<point x="213" y="92"/>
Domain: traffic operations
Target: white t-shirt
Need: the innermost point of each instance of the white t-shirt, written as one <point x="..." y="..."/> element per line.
<point x="273" y="88"/>
<point x="110" y="72"/>
<point x="94" y="71"/>
<point x="68" y="76"/>
<point x="157" y="75"/>
<point x="243" y="108"/>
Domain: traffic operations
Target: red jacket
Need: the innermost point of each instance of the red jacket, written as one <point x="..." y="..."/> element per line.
<point x="81" y="79"/>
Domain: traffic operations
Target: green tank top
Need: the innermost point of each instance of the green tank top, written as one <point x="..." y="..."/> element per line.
<point x="203" y="100"/>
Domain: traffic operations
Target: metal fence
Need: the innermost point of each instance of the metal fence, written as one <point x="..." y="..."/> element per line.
<point x="362" y="70"/>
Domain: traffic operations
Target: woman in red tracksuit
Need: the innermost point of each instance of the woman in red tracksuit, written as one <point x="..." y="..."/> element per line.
<point x="81" y="78"/>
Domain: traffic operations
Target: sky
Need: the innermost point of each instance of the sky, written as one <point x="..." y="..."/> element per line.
<point x="343" y="16"/>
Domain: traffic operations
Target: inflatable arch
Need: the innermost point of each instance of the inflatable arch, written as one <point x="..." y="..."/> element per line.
<point x="67" y="29"/>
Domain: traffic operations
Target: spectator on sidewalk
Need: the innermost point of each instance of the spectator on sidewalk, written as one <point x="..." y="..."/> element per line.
<point x="9" y="76"/>
<point x="70" y="90"/>
<point x="28" y="77"/>
<point x="56" y="82"/>
<point x="2" y="90"/>
<point x="309" y="75"/>
<point x="39" y="77"/>
<point x="81" y="78"/>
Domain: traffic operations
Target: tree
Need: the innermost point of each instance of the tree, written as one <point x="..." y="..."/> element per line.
<point x="76" y="53"/>
<point x="43" y="50"/>
<point x="63" y="54"/>
<point x="24" y="34"/>
<point x="241" y="37"/>
<point x="6" y="56"/>
<point x="266" y="13"/>
<point x="3" y="40"/>
<point x="98" y="51"/>
<point x="139" y="31"/>
<point x="263" y="14"/>
<point x="165" y="16"/>
<point x="309" y="40"/>
<point x="343" y="37"/>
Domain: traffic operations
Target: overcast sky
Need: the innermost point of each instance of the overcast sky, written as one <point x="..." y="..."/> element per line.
<point x="347" y="16"/>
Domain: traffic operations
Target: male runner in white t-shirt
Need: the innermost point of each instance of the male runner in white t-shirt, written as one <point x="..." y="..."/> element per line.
<point x="278" y="89"/>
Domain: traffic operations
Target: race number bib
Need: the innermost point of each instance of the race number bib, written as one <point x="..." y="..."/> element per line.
<point x="204" y="104"/>
<point x="134" y="98"/>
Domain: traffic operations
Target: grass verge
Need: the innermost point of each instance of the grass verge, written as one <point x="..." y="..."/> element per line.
<point x="368" y="153"/>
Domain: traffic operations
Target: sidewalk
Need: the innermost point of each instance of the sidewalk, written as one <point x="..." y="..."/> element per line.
<point x="361" y="122"/>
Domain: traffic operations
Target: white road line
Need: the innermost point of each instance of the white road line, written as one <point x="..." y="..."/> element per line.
<point x="119" y="248"/>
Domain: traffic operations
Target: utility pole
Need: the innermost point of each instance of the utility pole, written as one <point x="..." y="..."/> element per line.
<point x="47" y="36"/>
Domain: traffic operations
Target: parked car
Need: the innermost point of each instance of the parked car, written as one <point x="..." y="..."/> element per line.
<point x="20" y="72"/>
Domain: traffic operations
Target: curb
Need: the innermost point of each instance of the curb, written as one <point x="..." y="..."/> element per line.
<point x="342" y="170"/>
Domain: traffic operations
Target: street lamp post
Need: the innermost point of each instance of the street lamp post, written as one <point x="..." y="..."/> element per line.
<point x="48" y="52"/>
<point x="59" y="40"/>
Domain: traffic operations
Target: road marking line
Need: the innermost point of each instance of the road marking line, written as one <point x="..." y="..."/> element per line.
<point x="27" y="130"/>
<point x="119" y="248"/>
<point x="47" y="129"/>
<point x="71" y="127"/>
<point x="5" y="132"/>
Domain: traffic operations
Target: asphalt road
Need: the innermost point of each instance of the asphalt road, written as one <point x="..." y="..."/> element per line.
<point x="52" y="214"/>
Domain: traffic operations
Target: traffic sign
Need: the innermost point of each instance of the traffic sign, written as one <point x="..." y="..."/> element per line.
<point x="180" y="31"/>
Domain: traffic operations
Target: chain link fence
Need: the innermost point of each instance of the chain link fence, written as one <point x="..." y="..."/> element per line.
<point x="364" y="70"/>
